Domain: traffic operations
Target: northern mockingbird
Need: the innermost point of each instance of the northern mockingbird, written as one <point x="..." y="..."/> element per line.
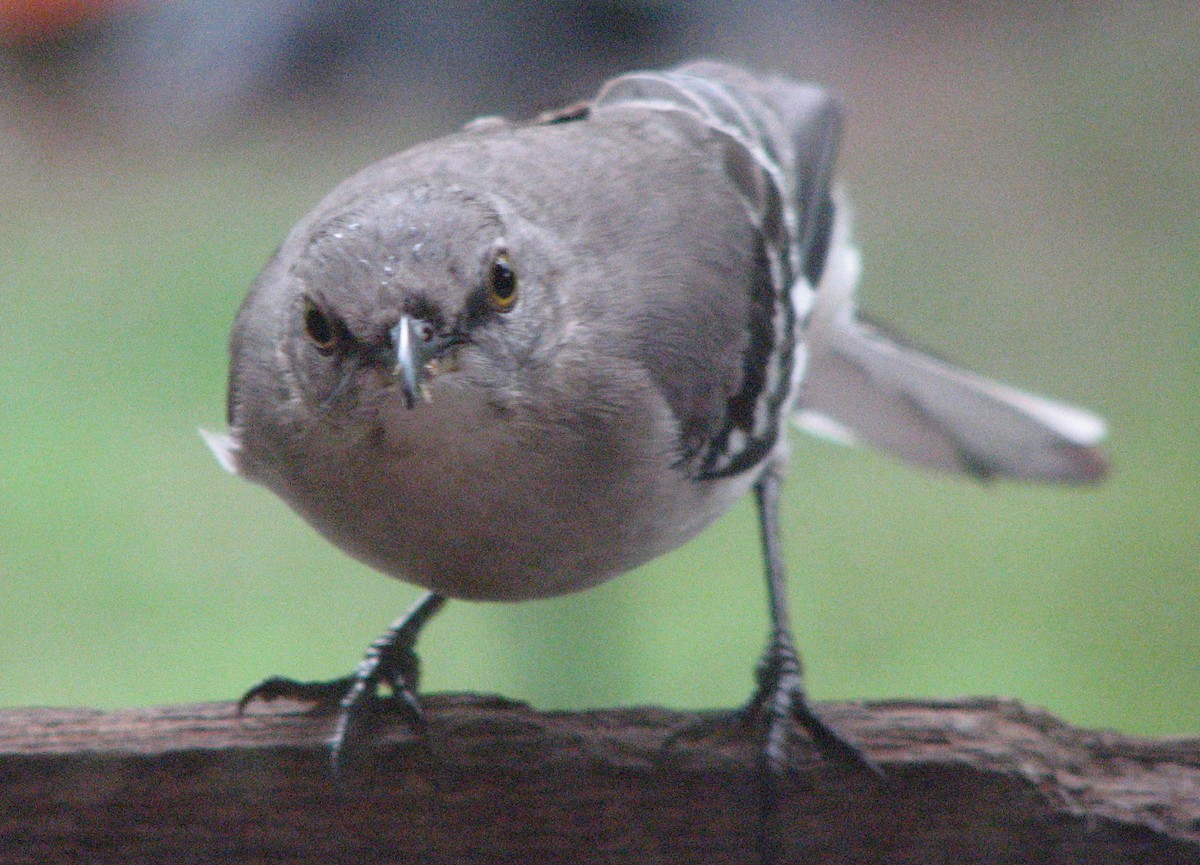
<point x="522" y="359"/>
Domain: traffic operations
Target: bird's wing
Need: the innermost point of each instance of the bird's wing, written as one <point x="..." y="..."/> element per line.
<point x="777" y="141"/>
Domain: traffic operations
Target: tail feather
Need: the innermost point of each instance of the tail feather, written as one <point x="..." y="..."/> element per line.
<point x="861" y="384"/>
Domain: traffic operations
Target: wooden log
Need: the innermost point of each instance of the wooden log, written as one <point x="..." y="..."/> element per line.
<point x="969" y="781"/>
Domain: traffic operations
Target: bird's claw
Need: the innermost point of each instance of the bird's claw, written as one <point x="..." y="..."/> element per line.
<point x="780" y="703"/>
<point x="321" y="696"/>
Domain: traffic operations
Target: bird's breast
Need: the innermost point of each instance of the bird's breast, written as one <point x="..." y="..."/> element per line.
<point x="474" y="502"/>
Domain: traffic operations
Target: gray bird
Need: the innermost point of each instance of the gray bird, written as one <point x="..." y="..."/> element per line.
<point x="522" y="359"/>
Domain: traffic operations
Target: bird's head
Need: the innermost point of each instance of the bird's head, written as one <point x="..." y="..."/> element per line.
<point x="405" y="297"/>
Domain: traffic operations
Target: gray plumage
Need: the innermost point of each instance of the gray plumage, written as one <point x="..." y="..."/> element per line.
<point x="522" y="359"/>
<point x="664" y="240"/>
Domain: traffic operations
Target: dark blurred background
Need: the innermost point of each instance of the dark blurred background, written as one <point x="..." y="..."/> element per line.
<point x="1026" y="179"/>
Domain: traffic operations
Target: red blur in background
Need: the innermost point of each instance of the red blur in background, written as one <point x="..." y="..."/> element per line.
<point x="31" y="21"/>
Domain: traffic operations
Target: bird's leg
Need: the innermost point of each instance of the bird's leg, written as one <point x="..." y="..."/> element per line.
<point x="391" y="659"/>
<point x="780" y="698"/>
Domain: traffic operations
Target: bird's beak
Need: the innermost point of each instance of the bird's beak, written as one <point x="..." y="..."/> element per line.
<point x="417" y="345"/>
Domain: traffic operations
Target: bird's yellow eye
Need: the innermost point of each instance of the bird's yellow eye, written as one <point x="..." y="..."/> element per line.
<point x="321" y="330"/>
<point x="501" y="283"/>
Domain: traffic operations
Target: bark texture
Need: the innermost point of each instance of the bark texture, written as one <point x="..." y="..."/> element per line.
<point x="972" y="781"/>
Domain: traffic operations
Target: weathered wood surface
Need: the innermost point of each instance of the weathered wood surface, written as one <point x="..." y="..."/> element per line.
<point x="974" y="781"/>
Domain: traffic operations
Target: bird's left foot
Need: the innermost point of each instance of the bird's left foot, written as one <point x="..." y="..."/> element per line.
<point x="780" y="701"/>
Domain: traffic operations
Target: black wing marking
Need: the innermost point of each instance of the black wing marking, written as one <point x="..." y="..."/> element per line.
<point x="778" y="140"/>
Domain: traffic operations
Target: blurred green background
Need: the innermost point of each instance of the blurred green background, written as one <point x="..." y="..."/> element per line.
<point x="1027" y="193"/>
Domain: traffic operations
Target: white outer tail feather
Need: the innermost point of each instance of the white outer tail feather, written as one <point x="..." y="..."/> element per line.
<point x="862" y="385"/>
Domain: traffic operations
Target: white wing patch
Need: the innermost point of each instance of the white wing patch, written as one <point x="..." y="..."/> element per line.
<point x="760" y="161"/>
<point x="225" y="447"/>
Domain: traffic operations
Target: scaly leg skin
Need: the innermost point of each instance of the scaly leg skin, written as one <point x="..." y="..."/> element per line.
<point x="780" y="699"/>
<point x="390" y="660"/>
